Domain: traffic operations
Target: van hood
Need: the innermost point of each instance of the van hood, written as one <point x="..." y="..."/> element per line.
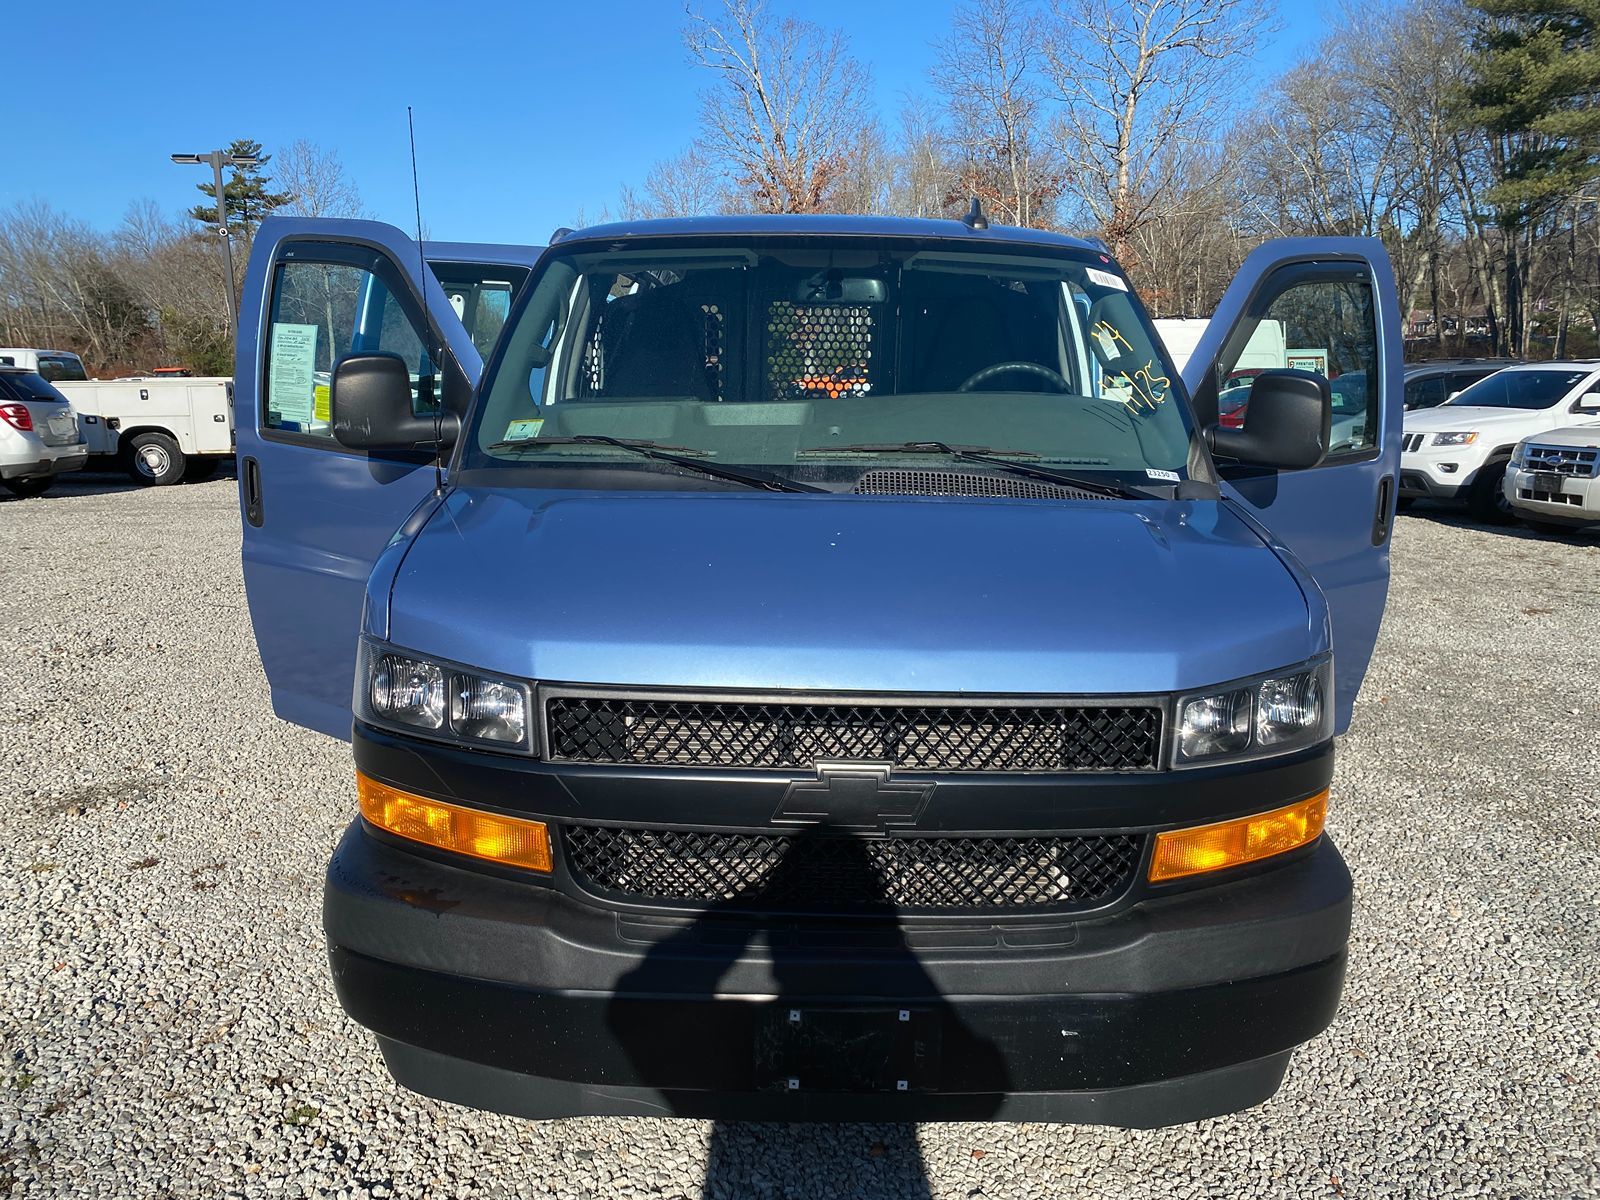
<point x="1472" y="416"/>
<point x="779" y="592"/>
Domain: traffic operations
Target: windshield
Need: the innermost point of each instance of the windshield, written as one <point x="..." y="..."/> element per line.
<point x="821" y="358"/>
<point x="1519" y="389"/>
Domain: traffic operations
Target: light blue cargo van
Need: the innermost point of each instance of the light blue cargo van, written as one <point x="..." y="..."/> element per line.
<point x="819" y="668"/>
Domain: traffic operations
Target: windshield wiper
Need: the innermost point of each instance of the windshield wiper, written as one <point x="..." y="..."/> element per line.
<point x="755" y="479"/>
<point x="984" y="454"/>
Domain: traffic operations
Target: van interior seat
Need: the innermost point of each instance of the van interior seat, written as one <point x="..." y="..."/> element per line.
<point x="960" y="325"/>
<point x="651" y="343"/>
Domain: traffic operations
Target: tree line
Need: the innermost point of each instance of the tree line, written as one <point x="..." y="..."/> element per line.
<point x="153" y="292"/>
<point x="1465" y="135"/>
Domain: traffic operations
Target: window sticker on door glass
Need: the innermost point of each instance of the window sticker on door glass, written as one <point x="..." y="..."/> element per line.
<point x="522" y="431"/>
<point x="1106" y="279"/>
<point x="291" y="378"/>
<point x="322" y="403"/>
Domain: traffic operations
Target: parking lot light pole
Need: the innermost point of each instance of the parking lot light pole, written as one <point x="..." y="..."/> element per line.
<point x="218" y="159"/>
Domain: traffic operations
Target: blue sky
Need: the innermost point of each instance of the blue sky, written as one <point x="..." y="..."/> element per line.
<point x="527" y="114"/>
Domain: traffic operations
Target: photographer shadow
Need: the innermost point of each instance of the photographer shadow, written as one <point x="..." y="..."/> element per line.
<point x="830" y="1024"/>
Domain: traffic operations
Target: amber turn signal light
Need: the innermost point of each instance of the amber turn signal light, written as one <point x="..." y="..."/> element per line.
<point x="510" y="841"/>
<point x="1181" y="852"/>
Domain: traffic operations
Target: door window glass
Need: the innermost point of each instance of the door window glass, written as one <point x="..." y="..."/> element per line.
<point x="480" y="294"/>
<point x="1426" y="392"/>
<point x="323" y="311"/>
<point x="1310" y="319"/>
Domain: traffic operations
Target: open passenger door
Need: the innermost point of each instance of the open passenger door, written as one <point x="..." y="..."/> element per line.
<point x="1326" y="305"/>
<point x="317" y="515"/>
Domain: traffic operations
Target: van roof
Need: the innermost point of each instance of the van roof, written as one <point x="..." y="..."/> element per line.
<point x="814" y="225"/>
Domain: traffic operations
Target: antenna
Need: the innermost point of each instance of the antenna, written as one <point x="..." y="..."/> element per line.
<point x="422" y="277"/>
<point x="974" y="218"/>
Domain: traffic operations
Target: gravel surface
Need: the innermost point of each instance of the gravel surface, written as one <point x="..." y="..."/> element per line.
<point x="167" y="1026"/>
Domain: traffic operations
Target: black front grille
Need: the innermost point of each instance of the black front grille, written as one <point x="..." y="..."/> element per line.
<point x="1039" y="738"/>
<point x="816" y="871"/>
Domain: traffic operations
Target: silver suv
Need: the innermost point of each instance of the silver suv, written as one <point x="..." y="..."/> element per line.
<point x="39" y="436"/>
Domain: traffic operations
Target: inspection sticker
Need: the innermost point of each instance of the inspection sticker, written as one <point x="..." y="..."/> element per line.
<point x="522" y="431"/>
<point x="1167" y="476"/>
<point x="1106" y="279"/>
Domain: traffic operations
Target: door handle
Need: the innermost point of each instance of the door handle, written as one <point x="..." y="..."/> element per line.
<point x="1384" y="517"/>
<point x="252" y="492"/>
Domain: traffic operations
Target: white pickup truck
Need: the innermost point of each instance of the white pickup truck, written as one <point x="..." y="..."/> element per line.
<point x="158" y="430"/>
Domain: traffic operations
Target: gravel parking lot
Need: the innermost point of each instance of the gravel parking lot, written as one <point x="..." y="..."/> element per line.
<point x="168" y="1029"/>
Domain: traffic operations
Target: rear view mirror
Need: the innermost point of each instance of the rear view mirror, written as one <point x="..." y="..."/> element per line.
<point x="370" y="403"/>
<point x="1286" y="424"/>
<point x="834" y="287"/>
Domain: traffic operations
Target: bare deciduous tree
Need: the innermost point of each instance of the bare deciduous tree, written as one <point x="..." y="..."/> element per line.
<point x="316" y="179"/>
<point x="787" y="110"/>
<point x="988" y="78"/>
<point x="1140" y="82"/>
<point x="923" y="176"/>
<point x="1184" y="259"/>
<point x="60" y="287"/>
<point x="684" y="186"/>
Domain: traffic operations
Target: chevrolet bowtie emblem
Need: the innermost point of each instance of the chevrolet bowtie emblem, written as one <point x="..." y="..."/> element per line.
<point x="853" y="795"/>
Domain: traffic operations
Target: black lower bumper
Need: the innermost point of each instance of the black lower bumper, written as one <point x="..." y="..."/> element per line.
<point x="496" y="994"/>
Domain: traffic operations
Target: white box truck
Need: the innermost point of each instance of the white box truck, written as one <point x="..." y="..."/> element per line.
<point x="1266" y="350"/>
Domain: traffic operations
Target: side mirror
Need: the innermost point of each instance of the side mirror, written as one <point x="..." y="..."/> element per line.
<point x="1589" y="402"/>
<point x="1287" y="423"/>
<point x="370" y="404"/>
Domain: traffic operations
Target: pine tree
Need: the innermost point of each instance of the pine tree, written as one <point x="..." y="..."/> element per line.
<point x="245" y="197"/>
<point x="1536" y="77"/>
<point x="1533" y="86"/>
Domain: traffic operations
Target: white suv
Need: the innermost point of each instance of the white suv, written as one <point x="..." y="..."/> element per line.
<point x="1553" y="480"/>
<point x="1460" y="450"/>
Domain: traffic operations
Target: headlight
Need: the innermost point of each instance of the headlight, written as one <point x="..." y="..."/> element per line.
<point x="486" y="708"/>
<point x="1455" y="439"/>
<point x="407" y="690"/>
<point x="1254" y="718"/>
<point x="400" y="689"/>
<point x="1519" y="456"/>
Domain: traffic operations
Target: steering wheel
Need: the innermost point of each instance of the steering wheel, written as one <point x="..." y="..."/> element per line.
<point x="1021" y="368"/>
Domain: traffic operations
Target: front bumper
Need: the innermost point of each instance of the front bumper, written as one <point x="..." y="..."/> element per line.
<point x="1577" y="504"/>
<point x="1442" y="474"/>
<point x="538" y="1000"/>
